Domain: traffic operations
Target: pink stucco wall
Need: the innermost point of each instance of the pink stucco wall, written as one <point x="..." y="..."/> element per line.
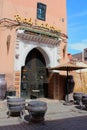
<point x="56" y="11"/>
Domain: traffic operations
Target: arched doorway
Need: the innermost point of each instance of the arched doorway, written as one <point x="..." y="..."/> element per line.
<point x="34" y="76"/>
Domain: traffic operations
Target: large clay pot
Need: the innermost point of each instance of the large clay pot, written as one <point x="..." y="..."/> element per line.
<point x="69" y="87"/>
<point x="3" y="86"/>
<point x="84" y="100"/>
<point x="77" y="96"/>
<point x="37" y="110"/>
<point x="15" y="105"/>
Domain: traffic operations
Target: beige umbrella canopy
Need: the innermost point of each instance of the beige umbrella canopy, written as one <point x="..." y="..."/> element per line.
<point x="67" y="67"/>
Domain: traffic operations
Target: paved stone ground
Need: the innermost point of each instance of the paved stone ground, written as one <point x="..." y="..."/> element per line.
<point x="58" y="117"/>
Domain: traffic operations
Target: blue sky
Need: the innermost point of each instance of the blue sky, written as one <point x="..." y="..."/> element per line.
<point x="76" y="25"/>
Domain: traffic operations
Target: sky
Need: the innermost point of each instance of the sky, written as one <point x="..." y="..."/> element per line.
<point x="76" y="25"/>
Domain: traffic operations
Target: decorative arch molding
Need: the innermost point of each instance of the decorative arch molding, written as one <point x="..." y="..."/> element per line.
<point x="24" y="51"/>
<point x="50" y="52"/>
<point x="43" y="52"/>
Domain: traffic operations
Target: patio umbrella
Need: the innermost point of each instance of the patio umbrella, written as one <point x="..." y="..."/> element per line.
<point x="67" y="67"/>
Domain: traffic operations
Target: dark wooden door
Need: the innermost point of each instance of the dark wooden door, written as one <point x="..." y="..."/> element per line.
<point x="34" y="76"/>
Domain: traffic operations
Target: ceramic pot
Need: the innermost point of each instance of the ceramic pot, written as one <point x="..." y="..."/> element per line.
<point x="37" y="110"/>
<point x="3" y="86"/>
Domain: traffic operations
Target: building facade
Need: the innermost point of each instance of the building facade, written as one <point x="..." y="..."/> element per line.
<point x="32" y="39"/>
<point x="82" y="57"/>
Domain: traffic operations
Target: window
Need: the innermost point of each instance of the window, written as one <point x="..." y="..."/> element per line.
<point x="41" y="11"/>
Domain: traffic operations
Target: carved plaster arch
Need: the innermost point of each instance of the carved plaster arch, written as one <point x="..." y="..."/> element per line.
<point x="43" y="52"/>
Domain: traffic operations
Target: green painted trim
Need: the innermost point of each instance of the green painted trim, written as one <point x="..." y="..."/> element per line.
<point x="40" y="32"/>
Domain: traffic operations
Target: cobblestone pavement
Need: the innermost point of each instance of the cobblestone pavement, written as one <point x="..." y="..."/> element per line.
<point x="58" y="117"/>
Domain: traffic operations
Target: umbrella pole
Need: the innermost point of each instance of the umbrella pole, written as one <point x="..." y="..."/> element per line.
<point x="67" y="96"/>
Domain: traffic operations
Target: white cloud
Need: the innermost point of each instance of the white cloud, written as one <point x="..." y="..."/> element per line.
<point x="78" y="46"/>
<point x="77" y="26"/>
<point x="80" y="14"/>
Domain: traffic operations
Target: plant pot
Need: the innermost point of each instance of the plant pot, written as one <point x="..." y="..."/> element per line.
<point x="77" y="96"/>
<point x="37" y="110"/>
<point x="84" y="100"/>
<point x="3" y="86"/>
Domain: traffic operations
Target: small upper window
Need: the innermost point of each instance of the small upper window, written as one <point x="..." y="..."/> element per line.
<point x="41" y="11"/>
